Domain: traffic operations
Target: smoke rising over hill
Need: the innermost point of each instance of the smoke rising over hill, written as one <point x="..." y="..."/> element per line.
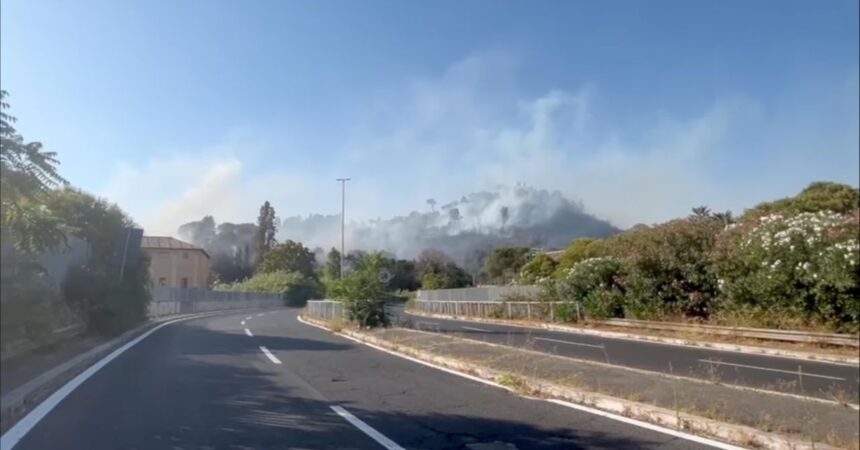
<point x="465" y="229"/>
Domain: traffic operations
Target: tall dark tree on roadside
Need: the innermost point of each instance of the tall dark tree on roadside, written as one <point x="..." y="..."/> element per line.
<point x="265" y="240"/>
<point x="290" y="256"/>
<point x="332" y="264"/>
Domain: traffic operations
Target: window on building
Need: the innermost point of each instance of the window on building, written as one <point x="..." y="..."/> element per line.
<point x="185" y="282"/>
<point x="162" y="281"/>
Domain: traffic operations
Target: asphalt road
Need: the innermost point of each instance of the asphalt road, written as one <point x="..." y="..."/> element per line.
<point x="815" y="379"/>
<point x="268" y="381"/>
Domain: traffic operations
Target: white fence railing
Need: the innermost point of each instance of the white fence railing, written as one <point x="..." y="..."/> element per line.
<point x="324" y="309"/>
<point x="170" y="301"/>
<point x="497" y="310"/>
<point x="478" y="294"/>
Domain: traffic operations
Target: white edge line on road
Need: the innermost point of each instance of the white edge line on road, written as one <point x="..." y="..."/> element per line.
<point x="793" y="372"/>
<point x="367" y="429"/>
<point x="11" y="438"/>
<point x="608" y="415"/>
<point x="248" y="332"/>
<point x="476" y="329"/>
<point x="269" y="355"/>
<point x="568" y="342"/>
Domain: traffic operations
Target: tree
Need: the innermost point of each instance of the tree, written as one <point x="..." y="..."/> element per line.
<point x="109" y="302"/>
<point x="438" y="271"/>
<point x="363" y="292"/>
<point x="27" y="174"/>
<point x="504" y="264"/>
<point x="290" y="256"/>
<point x="818" y="196"/>
<point x="264" y="240"/>
<point x="332" y="265"/>
<point x="201" y="233"/>
<point x="575" y="252"/>
<point x="701" y="211"/>
<point x="541" y="266"/>
<point x="432" y="204"/>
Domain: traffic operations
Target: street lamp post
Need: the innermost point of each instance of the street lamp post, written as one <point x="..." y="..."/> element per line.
<point x="342" y="220"/>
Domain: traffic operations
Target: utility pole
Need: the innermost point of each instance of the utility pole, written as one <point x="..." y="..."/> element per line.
<point x="342" y="220"/>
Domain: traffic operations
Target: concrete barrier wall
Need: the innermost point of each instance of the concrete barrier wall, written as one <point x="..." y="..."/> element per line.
<point x="477" y="294"/>
<point x="324" y="309"/>
<point x="169" y="301"/>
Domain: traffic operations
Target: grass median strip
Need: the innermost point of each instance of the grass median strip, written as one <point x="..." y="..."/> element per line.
<point x="770" y="419"/>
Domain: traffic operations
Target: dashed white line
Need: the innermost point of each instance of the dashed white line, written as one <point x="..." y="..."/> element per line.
<point x="476" y="329"/>
<point x="260" y="315"/>
<point x="367" y="429"/>
<point x="269" y="354"/>
<point x="248" y="332"/>
<point x="793" y="372"/>
<point x="243" y="323"/>
<point x="568" y="342"/>
<point x="248" y="318"/>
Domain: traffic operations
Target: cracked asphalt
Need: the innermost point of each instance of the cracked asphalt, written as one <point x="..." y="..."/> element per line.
<point x="206" y="384"/>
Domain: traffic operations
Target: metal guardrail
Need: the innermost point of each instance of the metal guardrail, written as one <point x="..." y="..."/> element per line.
<point x="755" y="333"/>
<point x="324" y="309"/>
<point x="544" y="311"/>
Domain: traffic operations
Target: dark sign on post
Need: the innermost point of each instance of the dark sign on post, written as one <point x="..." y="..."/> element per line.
<point x="126" y="249"/>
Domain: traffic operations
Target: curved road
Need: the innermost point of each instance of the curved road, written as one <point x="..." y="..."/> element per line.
<point x="208" y="383"/>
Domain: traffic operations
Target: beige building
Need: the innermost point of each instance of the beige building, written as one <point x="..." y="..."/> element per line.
<point x="174" y="263"/>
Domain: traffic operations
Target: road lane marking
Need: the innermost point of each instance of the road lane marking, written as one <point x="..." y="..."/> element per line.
<point x="476" y="329"/>
<point x="367" y="429"/>
<point x="248" y="318"/>
<point x="243" y="323"/>
<point x="586" y="409"/>
<point x="568" y="342"/>
<point x="260" y="315"/>
<point x="269" y="354"/>
<point x="793" y="372"/>
<point x="248" y="332"/>
<point x="14" y="435"/>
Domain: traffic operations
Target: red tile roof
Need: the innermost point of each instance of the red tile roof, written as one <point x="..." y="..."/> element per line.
<point x="167" y="242"/>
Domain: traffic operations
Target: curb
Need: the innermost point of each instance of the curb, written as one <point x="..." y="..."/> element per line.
<point x="672" y="420"/>
<point x="737" y="348"/>
<point x="15" y="403"/>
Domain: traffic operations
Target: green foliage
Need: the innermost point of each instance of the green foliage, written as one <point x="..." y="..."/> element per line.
<point x="437" y="271"/>
<point x="294" y="286"/>
<point x="363" y="292"/>
<point x="541" y="266"/>
<point x="264" y="238"/>
<point x="818" y="196"/>
<point x="27" y="174"/>
<point x="503" y="264"/>
<point x="575" y="252"/>
<point x="109" y="303"/>
<point x="290" y="256"/>
<point x="598" y="285"/>
<point x="801" y="268"/>
<point x="28" y="301"/>
<point x="332" y="265"/>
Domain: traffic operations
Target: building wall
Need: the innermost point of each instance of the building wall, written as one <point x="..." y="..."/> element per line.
<point x="169" y="267"/>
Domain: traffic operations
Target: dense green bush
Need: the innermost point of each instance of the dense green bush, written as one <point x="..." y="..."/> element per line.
<point x="801" y="269"/>
<point x="540" y="267"/>
<point x="597" y="284"/>
<point x="290" y="256"/>
<point x="363" y="292"/>
<point x="578" y="250"/>
<point x="28" y="302"/>
<point x="294" y="286"/>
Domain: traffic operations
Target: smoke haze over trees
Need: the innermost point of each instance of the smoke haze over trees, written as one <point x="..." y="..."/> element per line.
<point x="466" y="229"/>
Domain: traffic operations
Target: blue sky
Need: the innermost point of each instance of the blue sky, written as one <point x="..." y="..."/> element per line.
<point x="175" y="109"/>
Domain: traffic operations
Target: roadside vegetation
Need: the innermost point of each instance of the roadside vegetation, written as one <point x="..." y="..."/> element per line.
<point x="39" y="215"/>
<point x="790" y="263"/>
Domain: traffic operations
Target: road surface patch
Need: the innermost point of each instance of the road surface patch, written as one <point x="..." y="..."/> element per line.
<point x="269" y="355"/>
<point x="769" y="369"/>
<point x="569" y="342"/>
<point x="366" y="429"/>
